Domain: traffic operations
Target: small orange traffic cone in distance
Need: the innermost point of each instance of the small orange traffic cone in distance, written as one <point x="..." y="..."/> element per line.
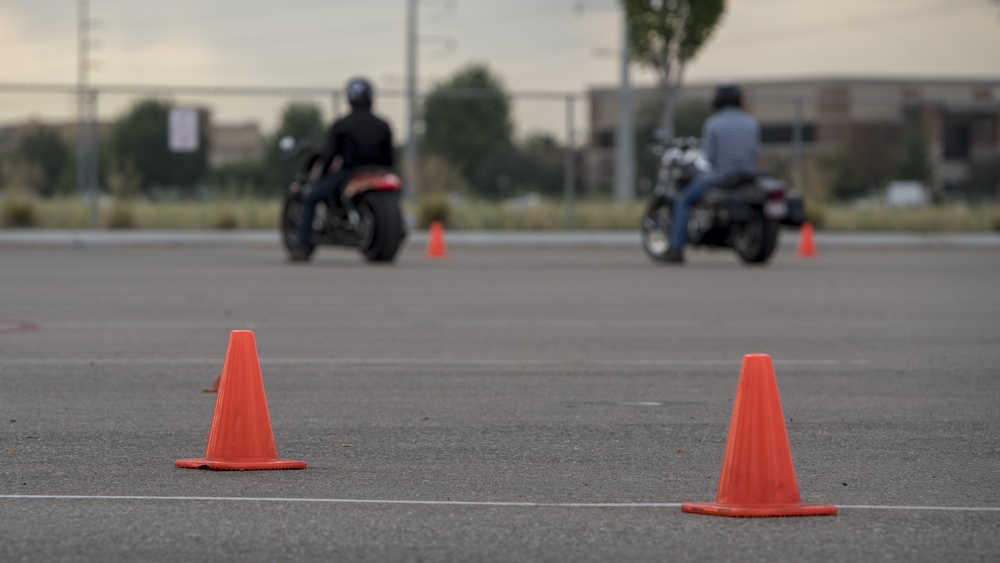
<point x="241" y="436"/>
<point x="807" y="248"/>
<point x="435" y="243"/>
<point x="758" y="477"/>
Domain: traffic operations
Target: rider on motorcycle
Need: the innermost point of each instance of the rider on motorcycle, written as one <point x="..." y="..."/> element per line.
<point x="731" y="141"/>
<point x="356" y="141"/>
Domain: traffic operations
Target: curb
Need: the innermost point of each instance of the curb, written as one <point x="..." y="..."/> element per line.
<point x="508" y="239"/>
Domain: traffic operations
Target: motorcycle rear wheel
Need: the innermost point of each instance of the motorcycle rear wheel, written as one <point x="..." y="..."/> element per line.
<point x="383" y="226"/>
<point x="755" y="240"/>
<point x="291" y="215"/>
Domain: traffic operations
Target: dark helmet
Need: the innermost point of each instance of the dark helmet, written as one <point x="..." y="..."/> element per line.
<point x="727" y="95"/>
<point x="359" y="93"/>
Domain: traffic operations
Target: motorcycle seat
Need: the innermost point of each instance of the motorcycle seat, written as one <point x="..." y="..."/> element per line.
<point x="736" y="180"/>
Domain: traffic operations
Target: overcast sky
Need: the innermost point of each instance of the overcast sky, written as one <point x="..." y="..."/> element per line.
<point x="532" y="44"/>
<point x="553" y="45"/>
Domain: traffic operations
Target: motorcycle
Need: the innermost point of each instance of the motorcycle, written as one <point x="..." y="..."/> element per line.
<point x="744" y="212"/>
<point x="366" y="216"/>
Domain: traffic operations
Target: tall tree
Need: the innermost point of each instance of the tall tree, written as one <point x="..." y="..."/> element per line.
<point x="304" y="122"/>
<point x="665" y="35"/>
<point x="916" y="164"/>
<point x="139" y="139"/>
<point x="467" y="120"/>
<point x="44" y="148"/>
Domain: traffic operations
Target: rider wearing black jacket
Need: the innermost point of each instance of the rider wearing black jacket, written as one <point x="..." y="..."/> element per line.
<point x="356" y="141"/>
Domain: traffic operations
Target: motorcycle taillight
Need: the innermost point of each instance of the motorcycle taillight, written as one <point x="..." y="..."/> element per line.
<point x="776" y="194"/>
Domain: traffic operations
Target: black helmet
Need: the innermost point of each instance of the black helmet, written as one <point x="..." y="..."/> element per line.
<point x="359" y="93"/>
<point x="727" y="95"/>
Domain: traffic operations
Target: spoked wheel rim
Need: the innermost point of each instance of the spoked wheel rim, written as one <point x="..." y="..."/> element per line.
<point x="748" y="237"/>
<point x="655" y="227"/>
<point x="367" y="234"/>
<point x="293" y="214"/>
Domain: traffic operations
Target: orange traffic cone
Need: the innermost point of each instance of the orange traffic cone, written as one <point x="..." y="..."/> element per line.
<point x="807" y="249"/>
<point x="435" y="244"/>
<point x="241" y="436"/>
<point x="758" y="478"/>
<point x="214" y="388"/>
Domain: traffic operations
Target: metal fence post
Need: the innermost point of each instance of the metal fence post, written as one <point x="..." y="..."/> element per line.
<point x="569" y="181"/>
<point x="336" y="104"/>
<point x="93" y="177"/>
<point x="797" y="152"/>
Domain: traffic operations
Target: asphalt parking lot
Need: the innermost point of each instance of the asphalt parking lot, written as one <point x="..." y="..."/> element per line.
<point x="504" y="404"/>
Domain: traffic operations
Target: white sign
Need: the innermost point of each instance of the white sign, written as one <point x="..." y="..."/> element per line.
<point x="183" y="130"/>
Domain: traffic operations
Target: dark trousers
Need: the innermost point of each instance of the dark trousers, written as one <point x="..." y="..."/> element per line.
<point x="325" y="189"/>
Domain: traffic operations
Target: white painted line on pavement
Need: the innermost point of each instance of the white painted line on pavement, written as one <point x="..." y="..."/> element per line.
<point x="459" y="502"/>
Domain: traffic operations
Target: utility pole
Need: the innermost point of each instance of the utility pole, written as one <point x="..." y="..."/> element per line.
<point x="82" y="68"/>
<point x="87" y="178"/>
<point x="625" y="155"/>
<point x="412" y="180"/>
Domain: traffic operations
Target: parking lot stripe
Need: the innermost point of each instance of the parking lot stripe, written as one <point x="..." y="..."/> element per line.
<point x="419" y="361"/>
<point x="459" y="502"/>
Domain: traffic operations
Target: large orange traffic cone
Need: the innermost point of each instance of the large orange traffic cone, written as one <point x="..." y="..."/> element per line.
<point x="241" y="436"/>
<point x="758" y="478"/>
<point x="435" y="244"/>
<point x="807" y="248"/>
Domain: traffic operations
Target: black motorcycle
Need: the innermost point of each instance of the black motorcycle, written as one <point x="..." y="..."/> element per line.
<point x="366" y="216"/>
<point x="744" y="212"/>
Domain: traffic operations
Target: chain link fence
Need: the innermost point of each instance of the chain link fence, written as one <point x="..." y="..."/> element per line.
<point x="482" y="145"/>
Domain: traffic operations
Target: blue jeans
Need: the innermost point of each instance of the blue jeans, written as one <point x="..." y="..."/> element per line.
<point x="691" y="195"/>
<point x="323" y="190"/>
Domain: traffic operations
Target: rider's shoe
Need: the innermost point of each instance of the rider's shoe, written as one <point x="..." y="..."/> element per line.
<point x="299" y="255"/>
<point x="674" y="256"/>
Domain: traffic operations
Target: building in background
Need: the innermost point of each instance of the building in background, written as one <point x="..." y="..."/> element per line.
<point x="804" y="120"/>
<point x="228" y="142"/>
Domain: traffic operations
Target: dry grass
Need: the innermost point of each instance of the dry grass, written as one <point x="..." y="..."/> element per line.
<point x="941" y="218"/>
<point x="71" y="213"/>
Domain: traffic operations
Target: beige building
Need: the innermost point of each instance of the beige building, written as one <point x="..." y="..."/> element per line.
<point x="960" y="120"/>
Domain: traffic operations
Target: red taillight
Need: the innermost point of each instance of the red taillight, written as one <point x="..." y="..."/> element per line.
<point x="776" y="194"/>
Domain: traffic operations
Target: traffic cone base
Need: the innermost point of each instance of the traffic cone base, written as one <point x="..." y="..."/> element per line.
<point x="758" y="476"/>
<point x="716" y="509"/>
<point x="240" y="437"/>
<point x="201" y="463"/>
<point x="214" y="388"/>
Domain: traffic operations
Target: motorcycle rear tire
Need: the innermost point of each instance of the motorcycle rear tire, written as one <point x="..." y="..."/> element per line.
<point x="291" y="214"/>
<point x="755" y="240"/>
<point x="384" y="226"/>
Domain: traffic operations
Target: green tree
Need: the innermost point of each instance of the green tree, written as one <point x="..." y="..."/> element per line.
<point x="865" y="161"/>
<point x="140" y="140"/>
<point x="982" y="183"/>
<point x="467" y="121"/>
<point x="664" y="35"/>
<point x="302" y="121"/>
<point x="689" y="117"/>
<point x="45" y="149"/>
<point x="916" y="165"/>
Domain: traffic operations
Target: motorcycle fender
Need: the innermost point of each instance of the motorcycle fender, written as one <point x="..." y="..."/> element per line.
<point x="796" y="213"/>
